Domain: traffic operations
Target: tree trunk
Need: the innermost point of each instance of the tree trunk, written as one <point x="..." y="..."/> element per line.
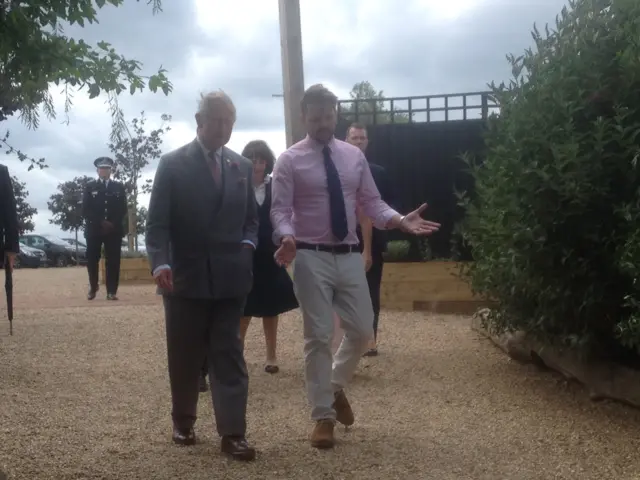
<point x="132" y="227"/>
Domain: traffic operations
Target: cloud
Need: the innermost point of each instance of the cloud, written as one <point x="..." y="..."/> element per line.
<point x="414" y="47"/>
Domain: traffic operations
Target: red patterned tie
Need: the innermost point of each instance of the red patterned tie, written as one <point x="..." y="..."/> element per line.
<point x="214" y="166"/>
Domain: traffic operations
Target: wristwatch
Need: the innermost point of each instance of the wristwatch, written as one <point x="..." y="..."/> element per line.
<point x="401" y="220"/>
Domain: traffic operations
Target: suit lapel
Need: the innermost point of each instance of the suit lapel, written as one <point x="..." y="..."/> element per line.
<point x="216" y="196"/>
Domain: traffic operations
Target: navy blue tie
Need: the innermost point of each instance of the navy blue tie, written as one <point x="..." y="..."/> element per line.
<point x="339" y="225"/>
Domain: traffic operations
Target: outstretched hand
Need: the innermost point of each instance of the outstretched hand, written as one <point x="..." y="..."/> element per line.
<point x="414" y="224"/>
<point x="287" y="251"/>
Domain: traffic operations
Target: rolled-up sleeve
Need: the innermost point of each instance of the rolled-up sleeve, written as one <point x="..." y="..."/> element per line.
<point x="370" y="200"/>
<point x="282" y="189"/>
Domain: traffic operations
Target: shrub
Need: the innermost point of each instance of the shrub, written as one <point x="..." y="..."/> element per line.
<point x="555" y="219"/>
<point x="397" y="251"/>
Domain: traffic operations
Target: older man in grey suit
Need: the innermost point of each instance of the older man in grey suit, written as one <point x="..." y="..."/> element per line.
<point x="201" y="233"/>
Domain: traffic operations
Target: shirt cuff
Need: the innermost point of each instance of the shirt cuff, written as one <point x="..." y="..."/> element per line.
<point x="382" y="221"/>
<point x="159" y="268"/>
<point x="249" y="242"/>
<point x="281" y="232"/>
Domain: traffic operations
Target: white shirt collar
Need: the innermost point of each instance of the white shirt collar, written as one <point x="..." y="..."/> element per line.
<point x="206" y="151"/>
<point x="260" y="190"/>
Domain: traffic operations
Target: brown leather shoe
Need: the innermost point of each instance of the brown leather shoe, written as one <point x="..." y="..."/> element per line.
<point x="344" y="414"/>
<point x="184" y="437"/>
<point x="238" y="448"/>
<point x="322" y="434"/>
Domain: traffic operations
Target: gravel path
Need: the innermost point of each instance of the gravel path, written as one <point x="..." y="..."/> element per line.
<point x="84" y="395"/>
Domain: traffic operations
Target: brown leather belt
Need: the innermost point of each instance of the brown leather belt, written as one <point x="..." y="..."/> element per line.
<point x="335" y="249"/>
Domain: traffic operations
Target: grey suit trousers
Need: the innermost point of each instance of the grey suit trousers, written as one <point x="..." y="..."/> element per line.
<point x="198" y="329"/>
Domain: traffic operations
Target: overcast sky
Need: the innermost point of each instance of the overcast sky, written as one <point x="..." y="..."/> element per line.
<point x="408" y="47"/>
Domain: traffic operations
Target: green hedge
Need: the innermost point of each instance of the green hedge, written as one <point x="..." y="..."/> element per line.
<point x="555" y="219"/>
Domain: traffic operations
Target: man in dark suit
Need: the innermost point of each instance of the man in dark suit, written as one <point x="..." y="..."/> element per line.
<point x="104" y="209"/>
<point x="9" y="232"/>
<point x="372" y="240"/>
<point x="202" y="229"/>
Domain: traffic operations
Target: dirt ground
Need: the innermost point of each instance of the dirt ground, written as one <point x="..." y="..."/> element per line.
<point x="84" y="395"/>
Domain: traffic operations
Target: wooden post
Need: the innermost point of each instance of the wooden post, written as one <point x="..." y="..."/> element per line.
<point x="292" y="68"/>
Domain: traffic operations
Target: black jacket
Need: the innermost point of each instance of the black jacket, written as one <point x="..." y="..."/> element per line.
<point x="9" y="233"/>
<point x="101" y="203"/>
<point x="379" y="238"/>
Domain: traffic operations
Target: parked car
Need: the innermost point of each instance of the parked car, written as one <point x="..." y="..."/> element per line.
<point x="72" y="242"/>
<point x="30" y="257"/>
<point x="59" y="253"/>
<point x="82" y="249"/>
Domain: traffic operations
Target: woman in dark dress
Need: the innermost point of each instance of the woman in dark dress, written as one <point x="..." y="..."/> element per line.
<point x="272" y="292"/>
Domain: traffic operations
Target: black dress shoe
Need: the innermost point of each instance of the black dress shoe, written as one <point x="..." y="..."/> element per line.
<point x="111" y="296"/>
<point x="238" y="448"/>
<point x="91" y="295"/>
<point x="203" y="384"/>
<point x="184" y="437"/>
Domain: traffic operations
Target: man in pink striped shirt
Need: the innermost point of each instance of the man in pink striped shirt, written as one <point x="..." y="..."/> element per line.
<point x="317" y="184"/>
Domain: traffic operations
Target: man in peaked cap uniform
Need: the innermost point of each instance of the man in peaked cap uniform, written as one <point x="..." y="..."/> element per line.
<point x="104" y="209"/>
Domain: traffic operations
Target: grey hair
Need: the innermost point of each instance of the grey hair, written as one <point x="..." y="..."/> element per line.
<point x="210" y="101"/>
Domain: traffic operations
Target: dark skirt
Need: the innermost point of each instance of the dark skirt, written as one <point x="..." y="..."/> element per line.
<point x="272" y="292"/>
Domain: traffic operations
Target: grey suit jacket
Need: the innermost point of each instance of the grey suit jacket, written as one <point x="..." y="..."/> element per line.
<point x="198" y="230"/>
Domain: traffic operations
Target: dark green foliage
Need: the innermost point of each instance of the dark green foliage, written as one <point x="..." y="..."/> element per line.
<point x="66" y="204"/>
<point x="24" y="209"/>
<point x="368" y="101"/>
<point x="555" y="222"/>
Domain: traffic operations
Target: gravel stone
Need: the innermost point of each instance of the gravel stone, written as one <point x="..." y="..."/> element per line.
<point x="84" y="395"/>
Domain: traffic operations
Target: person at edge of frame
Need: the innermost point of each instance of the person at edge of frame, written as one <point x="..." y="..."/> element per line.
<point x="9" y="230"/>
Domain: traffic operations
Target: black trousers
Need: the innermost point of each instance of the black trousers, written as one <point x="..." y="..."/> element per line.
<point x="205" y="368"/>
<point x="374" y="279"/>
<point x="112" y="252"/>
<point x="199" y="329"/>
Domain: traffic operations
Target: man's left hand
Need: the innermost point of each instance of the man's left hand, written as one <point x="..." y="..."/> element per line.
<point x="368" y="261"/>
<point x="414" y="224"/>
<point x="10" y="258"/>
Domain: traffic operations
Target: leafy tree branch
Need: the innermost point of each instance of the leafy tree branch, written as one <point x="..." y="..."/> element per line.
<point x="35" y="53"/>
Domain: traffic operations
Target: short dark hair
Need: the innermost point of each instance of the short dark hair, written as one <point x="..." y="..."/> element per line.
<point x="259" y="149"/>
<point x="318" y="94"/>
<point x="357" y="126"/>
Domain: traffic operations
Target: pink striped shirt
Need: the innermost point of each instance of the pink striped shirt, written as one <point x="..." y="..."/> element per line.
<point x="300" y="199"/>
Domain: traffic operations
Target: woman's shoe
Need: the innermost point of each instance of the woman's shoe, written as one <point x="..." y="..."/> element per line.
<point x="271" y="368"/>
